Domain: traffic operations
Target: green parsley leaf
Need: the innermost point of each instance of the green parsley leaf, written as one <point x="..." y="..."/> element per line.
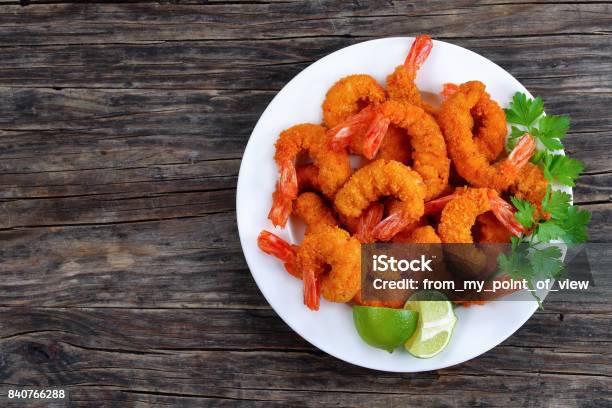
<point x="522" y="111"/>
<point x="525" y="212"/>
<point x="548" y="230"/>
<point x="515" y="264"/>
<point x="575" y="225"/>
<point x="556" y="203"/>
<point x="551" y="129"/>
<point x="554" y="126"/>
<point x="547" y="262"/>
<point x="515" y="134"/>
<point x="559" y="168"/>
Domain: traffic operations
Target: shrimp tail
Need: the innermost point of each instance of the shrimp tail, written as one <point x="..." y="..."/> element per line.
<point x="421" y="47"/>
<point x="435" y="206"/>
<point x="375" y="134"/>
<point x="281" y="208"/>
<point x="312" y="289"/>
<point x="448" y="89"/>
<point x="371" y="217"/>
<point x="504" y="212"/>
<point x="274" y="245"/>
<point x="522" y="152"/>
<point x="389" y="227"/>
<point x="288" y="182"/>
<point x="340" y="136"/>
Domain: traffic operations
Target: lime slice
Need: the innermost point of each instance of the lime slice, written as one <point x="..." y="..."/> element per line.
<point x="383" y="327"/>
<point x="435" y="325"/>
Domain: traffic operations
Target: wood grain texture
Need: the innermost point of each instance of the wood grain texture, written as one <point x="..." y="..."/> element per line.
<point x="122" y="126"/>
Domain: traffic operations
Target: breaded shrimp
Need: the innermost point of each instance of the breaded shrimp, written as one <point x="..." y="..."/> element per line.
<point x="400" y="84"/>
<point x="420" y="235"/>
<point x="383" y="178"/>
<point x="308" y="177"/>
<point x="369" y="123"/>
<point x="404" y="236"/>
<point x="314" y="211"/>
<point x="490" y="230"/>
<point x="334" y="248"/>
<point x="348" y="96"/>
<point x="361" y="227"/>
<point x="489" y="127"/>
<point x="459" y="215"/>
<point x="395" y="146"/>
<point x="352" y="133"/>
<point x="530" y="184"/>
<point x="277" y="247"/>
<point x="429" y="155"/>
<point x="456" y="123"/>
<point x="333" y="167"/>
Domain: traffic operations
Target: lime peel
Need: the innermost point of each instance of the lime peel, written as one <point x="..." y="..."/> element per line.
<point x="383" y="327"/>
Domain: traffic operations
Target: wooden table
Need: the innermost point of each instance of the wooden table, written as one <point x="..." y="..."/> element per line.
<point x="121" y="132"/>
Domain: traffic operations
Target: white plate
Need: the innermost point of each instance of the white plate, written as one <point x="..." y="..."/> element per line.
<point x="331" y="329"/>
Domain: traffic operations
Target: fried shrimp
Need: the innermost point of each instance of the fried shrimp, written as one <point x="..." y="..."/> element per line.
<point x="459" y="215"/>
<point x="400" y="84"/>
<point x="429" y="156"/>
<point x="489" y="125"/>
<point x="395" y="146"/>
<point x="333" y="167"/>
<point x="456" y="122"/>
<point x="383" y="178"/>
<point x="315" y="213"/>
<point x="490" y="230"/>
<point x="420" y="235"/>
<point x="334" y="249"/>
<point x="361" y="227"/>
<point x="348" y="110"/>
<point x="530" y="184"/>
<point x="308" y="177"/>
<point x="348" y="96"/>
<point x="369" y="123"/>
<point x="277" y="247"/>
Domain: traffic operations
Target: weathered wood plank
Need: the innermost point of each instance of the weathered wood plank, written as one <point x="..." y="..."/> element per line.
<point x="191" y="262"/>
<point x="216" y="114"/>
<point x="170" y="22"/>
<point x="218" y="354"/>
<point x="174" y="330"/>
<point x="269" y="64"/>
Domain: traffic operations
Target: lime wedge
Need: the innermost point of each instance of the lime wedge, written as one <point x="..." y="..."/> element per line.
<point x="435" y="325"/>
<point x="383" y="327"/>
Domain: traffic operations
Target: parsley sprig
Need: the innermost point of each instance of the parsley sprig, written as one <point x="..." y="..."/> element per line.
<point x="566" y="222"/>
<point x="530" y="257"/>
<point x="527" y="115"/>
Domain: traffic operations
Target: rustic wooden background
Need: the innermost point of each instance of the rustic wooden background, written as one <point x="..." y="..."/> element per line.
<point x="121" y="132"/>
